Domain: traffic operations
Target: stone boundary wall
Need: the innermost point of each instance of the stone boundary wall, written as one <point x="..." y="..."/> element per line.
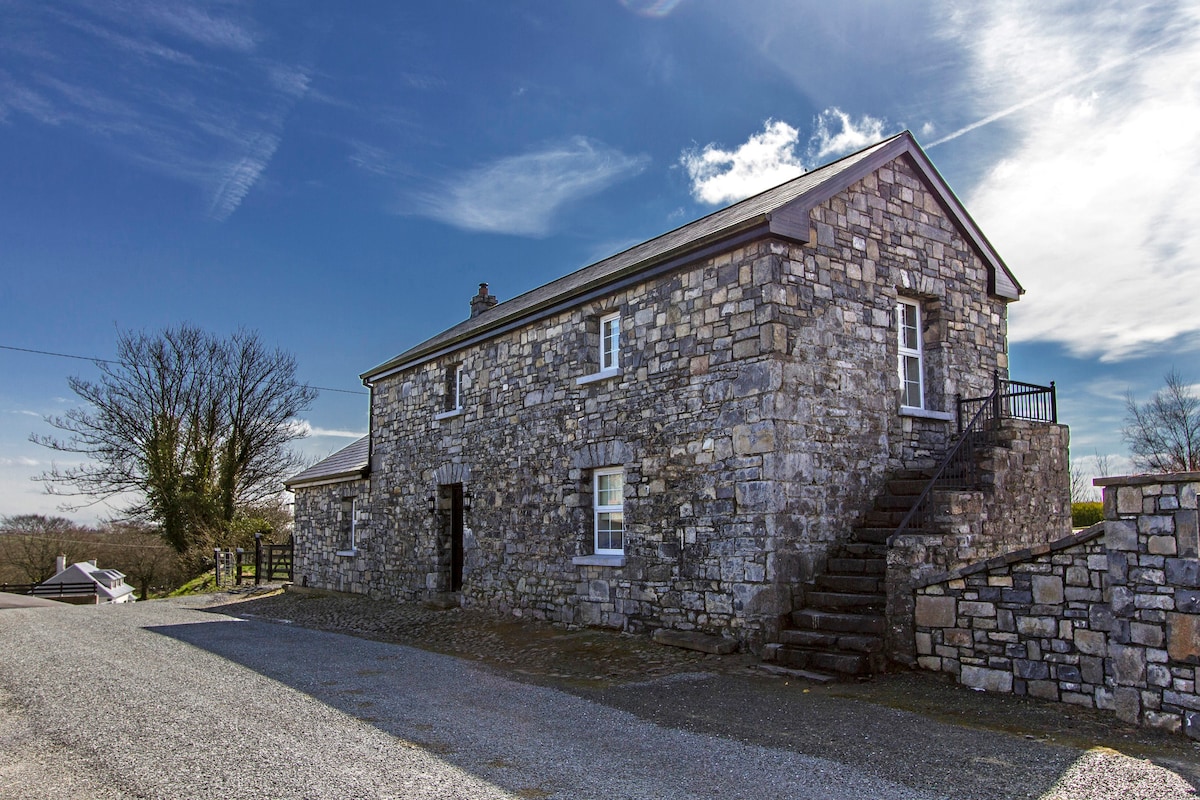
<point x="1107" y="618"/>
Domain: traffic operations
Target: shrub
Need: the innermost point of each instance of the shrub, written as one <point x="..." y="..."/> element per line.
<point x="1085" y="514"/>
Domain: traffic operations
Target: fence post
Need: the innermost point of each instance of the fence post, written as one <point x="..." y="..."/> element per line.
<point x="238" y="561"/>
<point x="217" y="565"/>
<point x="257" y="558"/>
<point x="1053" y="403"/>
<point x="995" y="398"/>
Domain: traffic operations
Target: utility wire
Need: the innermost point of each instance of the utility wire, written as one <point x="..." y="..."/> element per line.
<point x="126" y="364"/>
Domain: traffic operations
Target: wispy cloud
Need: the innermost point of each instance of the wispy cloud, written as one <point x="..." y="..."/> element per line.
<point x="521" y="194"/>
<point x="772" y="156"/>
<point x="303" y="427"/>
<point x="1094" y="204"/>
<point x="183" y="89"/>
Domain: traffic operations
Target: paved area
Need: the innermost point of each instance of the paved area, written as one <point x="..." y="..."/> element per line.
<point x="10" y="600"/>
<point x="266" y="696"/>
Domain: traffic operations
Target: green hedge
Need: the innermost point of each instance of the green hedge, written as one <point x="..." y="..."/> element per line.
<point x="1085" y="514"/>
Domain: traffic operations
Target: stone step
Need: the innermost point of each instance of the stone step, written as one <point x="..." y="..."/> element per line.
<point x="840" y="663"/>
<point x="803" y="674"/>
<point x="858" y="565"/>
<point x="843" y="601"/>
<point x="873" y="535"/>
<point x="861" y="550"/>
<point x="816" y="640"/>
<point x="813" y="619"/>
<point x="894" y="502"/>
<point x="907" y="488"/>
<point x="876" y="518"/>
<point x="863" y="584"/>
<point x="912" y="475"/>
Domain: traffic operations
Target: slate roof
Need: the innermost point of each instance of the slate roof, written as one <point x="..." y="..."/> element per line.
<point x="110" y="583"/>
<point x="348" y="463"/>
<point x="781" y="211"/>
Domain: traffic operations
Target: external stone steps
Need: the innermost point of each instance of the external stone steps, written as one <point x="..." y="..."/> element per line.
<point x="860" y="565"/>
<point x="895" y="502"/>
<point x="865" y="584"/>
<point x="814" y="619"/>
<point x="859" y="643"/>
<point x="842" y="601"/>
<point x="824" y="660"/>
<point x="873" y="535"/>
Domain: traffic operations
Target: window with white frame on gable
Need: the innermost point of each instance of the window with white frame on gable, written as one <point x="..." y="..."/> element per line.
<point x="610" y="342"/>
<point x="452" y="399"/>
<point x="910" y="353"/>
<point x="608" y="510"/>
<point x="605" y="347"/>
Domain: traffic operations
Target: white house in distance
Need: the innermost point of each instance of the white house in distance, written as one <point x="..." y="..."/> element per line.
<point x="110" y="583"/>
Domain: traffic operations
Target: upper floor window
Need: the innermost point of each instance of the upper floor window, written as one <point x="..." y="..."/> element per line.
<point x="453" y="396"/>
<point x="911" y="353"/>
<point x="610" y="342"/>
<point x="349" y="525"/>
<point x="608" y="510"/>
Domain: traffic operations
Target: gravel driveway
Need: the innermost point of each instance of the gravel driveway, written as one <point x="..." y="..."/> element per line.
<point x="165" y="700"/>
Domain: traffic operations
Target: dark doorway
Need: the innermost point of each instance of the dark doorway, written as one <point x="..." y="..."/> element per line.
<point x="454" y="494"/>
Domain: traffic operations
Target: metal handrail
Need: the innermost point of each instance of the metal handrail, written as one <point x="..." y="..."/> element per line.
<point x="953" y="467"/>
<point x="1007" y="400"/>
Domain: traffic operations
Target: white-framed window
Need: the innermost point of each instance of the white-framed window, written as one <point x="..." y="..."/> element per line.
<point x="453" y="397"/>
<point x="911" y="353"/>
<point x="610" y="342"/>
<point x="608" y="510"/>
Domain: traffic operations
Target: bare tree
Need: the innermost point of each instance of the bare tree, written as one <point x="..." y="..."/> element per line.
<point x="183" y="428"/>
<point x="1164" y="434"/>
<point x="30" y="545"/>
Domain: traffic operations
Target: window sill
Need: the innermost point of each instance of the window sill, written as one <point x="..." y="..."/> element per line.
<point x="454" y="412"/>
<point x="353" y="551"/>
<point x="924" y="413"/>
<point x="598" y="561"/>
<point x="603" y="375"/>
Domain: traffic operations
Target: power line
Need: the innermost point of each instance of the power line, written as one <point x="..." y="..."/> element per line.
<point x="126" y="364"/>
<point x="93" y="543"/>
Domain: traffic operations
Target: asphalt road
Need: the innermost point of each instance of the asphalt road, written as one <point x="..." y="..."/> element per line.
<point x="165" y="700"/>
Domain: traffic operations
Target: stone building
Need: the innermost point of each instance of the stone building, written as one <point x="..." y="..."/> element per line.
<point x="676" y="436"/>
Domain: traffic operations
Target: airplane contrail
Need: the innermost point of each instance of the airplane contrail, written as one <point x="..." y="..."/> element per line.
<point x="1051" y="92"/>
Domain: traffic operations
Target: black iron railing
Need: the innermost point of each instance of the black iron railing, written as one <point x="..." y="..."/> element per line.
<point x="81" y="589"/>
<point x="959" y="468"/>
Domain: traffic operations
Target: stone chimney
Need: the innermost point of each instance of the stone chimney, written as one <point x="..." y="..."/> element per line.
<point x="60" y="564"/>
<point x="482" y="301"/>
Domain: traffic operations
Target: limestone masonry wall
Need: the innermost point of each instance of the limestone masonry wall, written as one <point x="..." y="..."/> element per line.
<point x="755" y="414"/>
<point x="1107" y="618"/>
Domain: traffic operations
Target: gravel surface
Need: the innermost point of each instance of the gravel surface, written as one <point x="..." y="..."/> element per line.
<point x="165" y="699"/>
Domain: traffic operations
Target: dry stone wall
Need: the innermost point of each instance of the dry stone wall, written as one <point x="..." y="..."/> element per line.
<point x="1107" y="618"/>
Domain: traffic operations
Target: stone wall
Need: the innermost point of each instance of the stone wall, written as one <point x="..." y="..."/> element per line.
<point x="1107" y="618"/>
<point x="755" y="415"/>
<point x="1025" y="501"/>
<point x="323" y="555"/>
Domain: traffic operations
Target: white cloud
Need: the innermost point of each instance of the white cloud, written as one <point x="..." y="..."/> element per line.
<point x="770" y="158"/>
<point x="766" y="159"/>
<point x="837" y="134"/>
<point x="520" y="194"/>
<point x="305" y="428"/>
<point x="1094" y="206"/>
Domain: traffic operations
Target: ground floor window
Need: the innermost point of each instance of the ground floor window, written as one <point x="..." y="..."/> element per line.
<point x="608" y="510"/>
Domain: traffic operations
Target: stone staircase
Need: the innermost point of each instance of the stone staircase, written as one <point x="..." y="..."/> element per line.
<point x="840" y="629"/>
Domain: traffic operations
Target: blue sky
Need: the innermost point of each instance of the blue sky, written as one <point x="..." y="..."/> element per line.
<point x="341" y="179"/>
